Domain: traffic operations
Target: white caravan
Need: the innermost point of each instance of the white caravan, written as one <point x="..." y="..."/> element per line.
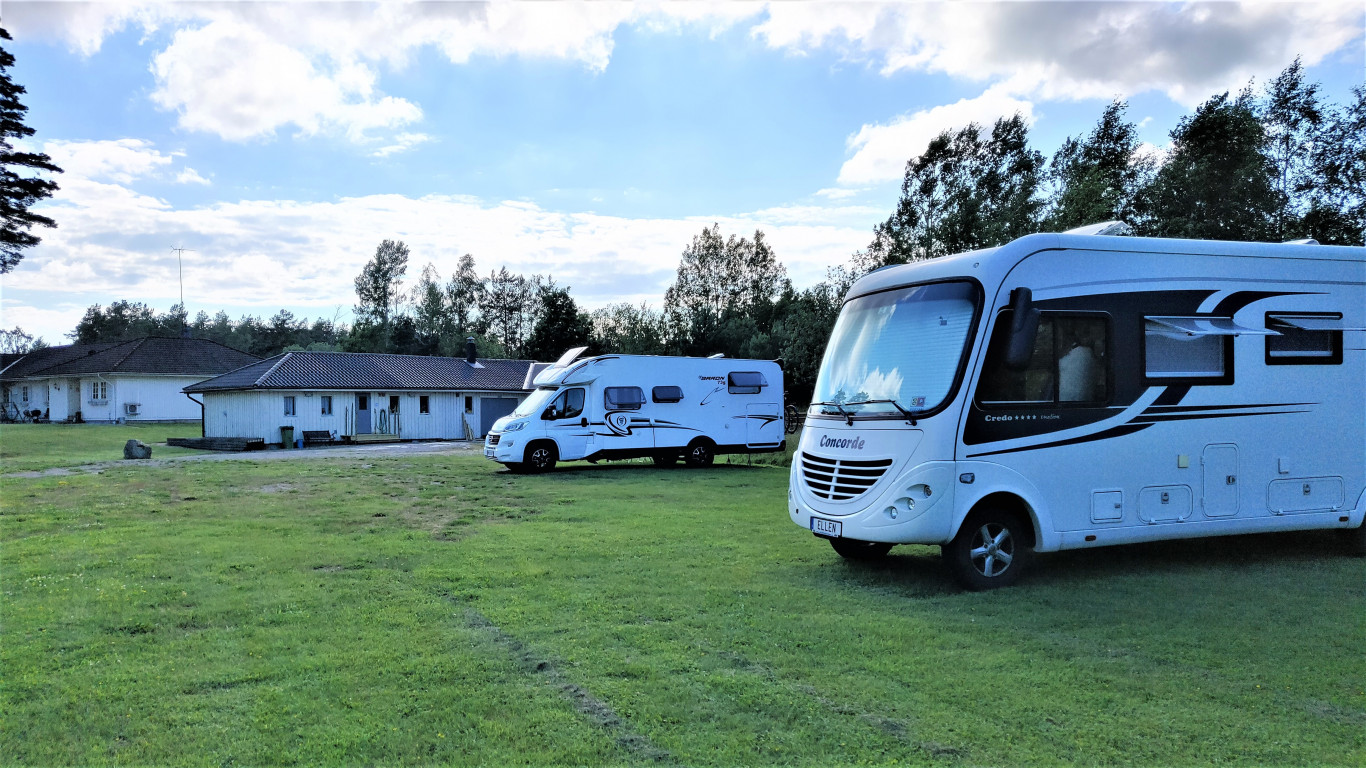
<point x="632" y="406"/>
<point x="1081" y="390"/>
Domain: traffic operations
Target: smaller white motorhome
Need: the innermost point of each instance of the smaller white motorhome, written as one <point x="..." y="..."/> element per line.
<point x="636" y="406"/>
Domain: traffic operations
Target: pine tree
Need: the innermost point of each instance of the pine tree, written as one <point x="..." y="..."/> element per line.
<point x="18" y="193"/>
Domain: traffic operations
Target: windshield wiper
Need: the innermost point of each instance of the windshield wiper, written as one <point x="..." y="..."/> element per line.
<point x="910" y="415"/>
<point x="848" y="417"/>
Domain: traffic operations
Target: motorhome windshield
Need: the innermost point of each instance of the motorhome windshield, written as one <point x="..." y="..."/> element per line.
<point x="535" y="402"/>
<point x="896" y="351"/>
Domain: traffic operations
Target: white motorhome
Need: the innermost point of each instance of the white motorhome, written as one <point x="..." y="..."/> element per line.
<point x="633" y="406"/>
<point x="1081" y="390"/>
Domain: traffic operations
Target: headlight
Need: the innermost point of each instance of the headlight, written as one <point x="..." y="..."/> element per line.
<point x="515" y="426"/>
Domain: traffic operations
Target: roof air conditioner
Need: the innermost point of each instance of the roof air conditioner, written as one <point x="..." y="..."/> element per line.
<point x="131" y="408"/>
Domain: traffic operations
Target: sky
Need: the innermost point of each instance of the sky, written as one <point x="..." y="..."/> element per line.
<point x="280" y="143"/>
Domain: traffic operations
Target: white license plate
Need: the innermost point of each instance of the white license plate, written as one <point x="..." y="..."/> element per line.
<point x="488" y="453"/>
<point x="826" y="527"/>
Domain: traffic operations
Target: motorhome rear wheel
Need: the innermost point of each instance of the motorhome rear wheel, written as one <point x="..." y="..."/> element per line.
<point x="990" y="550"/>
<point x="853" y="549"/>
<point x="700" y="454"/>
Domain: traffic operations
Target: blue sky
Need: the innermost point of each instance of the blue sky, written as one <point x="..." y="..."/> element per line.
<point x="283" y="142"/>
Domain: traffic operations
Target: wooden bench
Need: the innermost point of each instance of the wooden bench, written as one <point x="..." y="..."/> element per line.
<point x="317" y="436"/>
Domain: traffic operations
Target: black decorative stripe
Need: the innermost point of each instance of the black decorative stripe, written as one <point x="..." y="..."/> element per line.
<point x="1120" y="431"/>
<point x="1230" y="304"/>
<point x="1153" y="419"/>
<point x="1172" y="395"/>
<point x="1200" y="408"/>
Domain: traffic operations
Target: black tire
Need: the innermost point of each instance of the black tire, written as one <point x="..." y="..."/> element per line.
<point x="991" y="550"/>
<point x="700" y="454"/>
<point x="665" y="459"/>
<point x="540" y="457"/>
<point x="853" y="549"/>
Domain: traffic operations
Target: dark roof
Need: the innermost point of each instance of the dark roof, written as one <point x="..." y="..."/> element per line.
<point x="368" y="371"/>
<point x="186" y="357"/>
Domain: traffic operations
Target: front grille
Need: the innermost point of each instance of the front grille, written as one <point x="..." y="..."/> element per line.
<point x="493" y="440"/>
<point x="841" y="479"/>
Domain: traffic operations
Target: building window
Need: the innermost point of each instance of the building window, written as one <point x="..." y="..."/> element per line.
<point x="99" y="391"/>
<point x="1070" y="364"/>
<point x="1302" y="338"/>
<point x="667" y="394"/>
<point x="746" y="383"/>
<point x="469" y="404"/>
<point x="393" y="403"/>
<point x="326" y="401"/>
<point x="289" y="405"/>
<point x="623" y="398"/>
<point x="24" y="396"/>
<point x="424" y="404"/>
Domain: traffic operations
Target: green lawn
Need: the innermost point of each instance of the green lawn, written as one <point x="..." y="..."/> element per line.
<point x="427" y="609"/>
<point x="25" y="447"/>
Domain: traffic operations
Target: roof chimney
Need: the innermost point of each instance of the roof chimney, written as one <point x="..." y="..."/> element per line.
<point x="469" y="350"/>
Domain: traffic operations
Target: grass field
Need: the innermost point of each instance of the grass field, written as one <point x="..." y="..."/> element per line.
<point x="26" y="447"/>
<point x="427" y="609"/>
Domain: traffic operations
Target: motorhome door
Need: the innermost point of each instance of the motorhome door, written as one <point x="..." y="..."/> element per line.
<point x="568" y="422"/>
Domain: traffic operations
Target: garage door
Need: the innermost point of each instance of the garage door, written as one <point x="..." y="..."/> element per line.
<point x="492" y="409"/>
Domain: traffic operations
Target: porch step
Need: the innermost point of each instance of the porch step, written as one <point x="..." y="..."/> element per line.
<point x="375" y="438"/>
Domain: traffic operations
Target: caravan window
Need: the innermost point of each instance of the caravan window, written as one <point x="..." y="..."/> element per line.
<point x="1195" y="349"/>
<point x="1070" y="366"/>
<point x="667" y="394"/>
<point x="623" y="398"/>
<point x="1304" y="339"/>
<point x="745" y="383"/>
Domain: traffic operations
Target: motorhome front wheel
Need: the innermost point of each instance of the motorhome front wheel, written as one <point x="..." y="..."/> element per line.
<point x="540" y="457"/>
<point x="989" y="551"/>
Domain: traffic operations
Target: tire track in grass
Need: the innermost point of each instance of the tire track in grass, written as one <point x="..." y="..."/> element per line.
<point x="586" y="704"/>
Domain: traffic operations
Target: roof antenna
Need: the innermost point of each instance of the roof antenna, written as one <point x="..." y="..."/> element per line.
<point x="184" y="314"/>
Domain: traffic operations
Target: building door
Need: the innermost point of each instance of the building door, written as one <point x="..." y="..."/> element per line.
<point x="492" y="409"/>
<point x="362" y="414"/>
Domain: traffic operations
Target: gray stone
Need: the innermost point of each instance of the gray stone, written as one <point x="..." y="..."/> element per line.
<point x="136" y="449"/>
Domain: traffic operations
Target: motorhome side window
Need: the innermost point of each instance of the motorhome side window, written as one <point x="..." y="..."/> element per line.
<point x="745" y="383"/>
<point x="623" y="398"/>
<point x="667" y="394"/>
<point x="567" y="405"/>
<point x="1197" y="349"/>
<point x="1302" y="338"/>
<point x="1070" y="364"/>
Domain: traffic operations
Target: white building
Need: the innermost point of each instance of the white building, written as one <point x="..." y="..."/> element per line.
<point x="408" y="397"/>
<point x="138" y="381"/>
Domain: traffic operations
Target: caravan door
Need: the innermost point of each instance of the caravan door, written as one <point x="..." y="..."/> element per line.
<point x="763" y="425"/>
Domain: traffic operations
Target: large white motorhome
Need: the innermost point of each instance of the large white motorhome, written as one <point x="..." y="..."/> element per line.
<point x="1081" y="390"/>
<point x="633" y="406"/>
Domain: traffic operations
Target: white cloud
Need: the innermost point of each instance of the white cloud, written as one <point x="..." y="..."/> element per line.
<point x="880" y="151"/>
<point x="191" y="176"/>
<point x="402" y="143"/>
<point x="1074" y="50"/>
<point x="232" y="79"/>
<point x="121" y="160"/>
<point x="114" y="243"/>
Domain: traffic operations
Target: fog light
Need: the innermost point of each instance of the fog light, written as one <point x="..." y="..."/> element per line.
<point x="891" y="512"/>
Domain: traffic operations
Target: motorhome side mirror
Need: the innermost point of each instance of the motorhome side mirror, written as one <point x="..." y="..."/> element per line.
<point x="1024" y="327"/>
<point x="548" y="414"/>
<point x="583" y="422"/>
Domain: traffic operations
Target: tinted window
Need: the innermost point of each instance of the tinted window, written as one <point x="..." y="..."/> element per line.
<point x="1304" y="339"/>
<point x="1070" y="365"/>
<point x="1175" y="354"/>
<point x="568" y="404"/>
<point x="666" y="394"/>
<point x="746" y="383"/>
<point x="623" y="398"/>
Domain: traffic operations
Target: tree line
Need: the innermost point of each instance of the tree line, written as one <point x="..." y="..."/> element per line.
<point x="1273" y="165"/>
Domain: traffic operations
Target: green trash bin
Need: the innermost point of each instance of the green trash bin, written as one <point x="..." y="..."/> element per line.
<point x="287" y="436"/>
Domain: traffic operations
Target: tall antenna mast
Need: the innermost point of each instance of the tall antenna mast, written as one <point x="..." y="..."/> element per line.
<point x="184" y="313"/>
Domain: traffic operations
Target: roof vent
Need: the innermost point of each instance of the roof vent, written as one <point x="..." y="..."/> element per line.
<point x="1302" y="241"/>
<point x="1117" y="228"/>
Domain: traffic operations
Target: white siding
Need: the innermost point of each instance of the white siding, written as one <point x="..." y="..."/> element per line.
<point x="261" y="413"/>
